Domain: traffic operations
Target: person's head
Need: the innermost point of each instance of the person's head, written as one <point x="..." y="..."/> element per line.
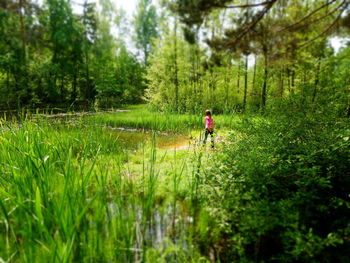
<point x="208" y="113"/>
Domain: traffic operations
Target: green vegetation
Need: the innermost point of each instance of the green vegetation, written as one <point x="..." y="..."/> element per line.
<point x="283" y="189"/>
<point x="78" y="193"/>
<point x="83" y="182"/>
<point x="51" y="56"/>
<point x="81" y="191"/>
<point x="140" y="117"/>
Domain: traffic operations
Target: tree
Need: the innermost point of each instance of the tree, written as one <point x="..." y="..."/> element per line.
<point x="89" y="22"/>
<point x="18" y="26"/>
<point x="146" y="23"/>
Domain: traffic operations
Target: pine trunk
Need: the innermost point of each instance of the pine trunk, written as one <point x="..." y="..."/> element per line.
<point x="264" y="88"/>
<point x="176" y="81"/>
<point x="238" y="75"/>
<point x="245" y="82"/>
<point x="317" y="77"/>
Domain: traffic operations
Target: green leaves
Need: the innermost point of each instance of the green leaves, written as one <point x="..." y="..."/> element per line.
<point x="38" y="206"/>
<point x="283" y="186"/>
<point x="146" y="23"/>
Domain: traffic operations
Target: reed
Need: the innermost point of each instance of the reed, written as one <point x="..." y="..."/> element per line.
<point x="66" y="194"/>
<point x="139" y="117"/>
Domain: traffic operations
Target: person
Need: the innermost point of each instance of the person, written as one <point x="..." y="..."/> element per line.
<point x="209" y="128"/>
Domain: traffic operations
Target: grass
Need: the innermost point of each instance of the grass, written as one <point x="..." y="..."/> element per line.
<point x="80" y="192"/>
<point x="52" y="178"/>
<point x="140" y="117"/>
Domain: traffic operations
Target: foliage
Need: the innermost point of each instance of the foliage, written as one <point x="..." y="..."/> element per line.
<point x="52" y="57"/>
<point x="123" y="82"/>
<point x="250" y="66"/>
<point x="316" y="78"/>
<point x="142" y="118"/>
<point x="145" y="22"/>
<point x="80" y="190"/>
<point x="282" y="184"/>
<point x="70" y="191"/>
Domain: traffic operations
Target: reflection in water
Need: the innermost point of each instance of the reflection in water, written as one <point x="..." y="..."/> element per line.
<point x="156" y="230"/>
<point x="134" y="138"/>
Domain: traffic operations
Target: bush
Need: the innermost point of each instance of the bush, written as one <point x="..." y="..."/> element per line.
<point x="283" y="188"/>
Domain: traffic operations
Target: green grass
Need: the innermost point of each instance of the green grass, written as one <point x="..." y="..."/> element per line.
<point x="140" y="117"/>
<point x="77" y="190"/>
<point x="80" y="192"/>
<point x="53" y="180"/>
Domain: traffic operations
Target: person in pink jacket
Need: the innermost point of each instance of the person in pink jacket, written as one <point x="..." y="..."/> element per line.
<point x="209" y="128"/>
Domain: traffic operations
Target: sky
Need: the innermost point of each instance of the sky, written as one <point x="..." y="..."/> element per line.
<point x="128" y="5"/>
<point x="338" y="42"/>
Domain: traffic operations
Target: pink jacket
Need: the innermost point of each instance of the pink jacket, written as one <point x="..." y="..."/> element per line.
<point x="209" y="123"/>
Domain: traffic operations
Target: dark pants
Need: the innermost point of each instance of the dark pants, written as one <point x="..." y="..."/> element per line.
<point x="207" y="132"/>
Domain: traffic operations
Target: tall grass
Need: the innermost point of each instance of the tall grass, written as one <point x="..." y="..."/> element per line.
<point x="140" y="117"/>
<point x="50" y="190"/>
<point x="66" y="195"/>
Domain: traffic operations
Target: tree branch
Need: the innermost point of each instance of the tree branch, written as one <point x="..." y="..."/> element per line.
<point x="307" y="16"/>
<point x="244" y="6"/>
<point x="327" y="29"/>
<point x="257" y="19"/>
<point x="322" y="17"/>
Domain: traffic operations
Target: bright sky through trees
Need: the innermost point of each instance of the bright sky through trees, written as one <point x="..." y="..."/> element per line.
<point x="128" y="6"/>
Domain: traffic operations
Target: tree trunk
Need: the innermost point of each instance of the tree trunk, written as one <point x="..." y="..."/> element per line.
<point x="194" y="80"/>
<point x="245" y="82"/>
<point x="74" y="85"/>
<point x="238" y="74"/>
<point x="288" y="79"/>
<point x="8" y="80"/>
<point x="254" y="74"/>
<point x="145" y="51"/>
<point x="62" y="88"/>
<point x="176" y="81"/>
<point x="226" y="90"/>
<point x="264" y="88"/>
<point x="21" y="81"/>
<point x="213" y="86"/>
<point x="317" y="78"/>
<point x="198" y="88"/>
<point x="293" y="81"/>
<point x="22" y="28"/>
<point x="282" y="82"/>
<point x="87" y="83"/>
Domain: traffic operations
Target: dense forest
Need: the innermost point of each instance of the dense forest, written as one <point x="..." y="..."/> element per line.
<point x="52" y="57"/>
<point x="103" y="187"/>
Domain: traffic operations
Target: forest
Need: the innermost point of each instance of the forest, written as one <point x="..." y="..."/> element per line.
<point x="103" y="153"/>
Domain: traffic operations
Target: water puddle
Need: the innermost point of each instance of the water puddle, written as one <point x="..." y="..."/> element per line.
<point x="177" y="142"/>
<point x="133" y="138"/>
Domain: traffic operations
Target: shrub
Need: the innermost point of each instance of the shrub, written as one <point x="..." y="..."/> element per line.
<point x="280" y="190"/>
